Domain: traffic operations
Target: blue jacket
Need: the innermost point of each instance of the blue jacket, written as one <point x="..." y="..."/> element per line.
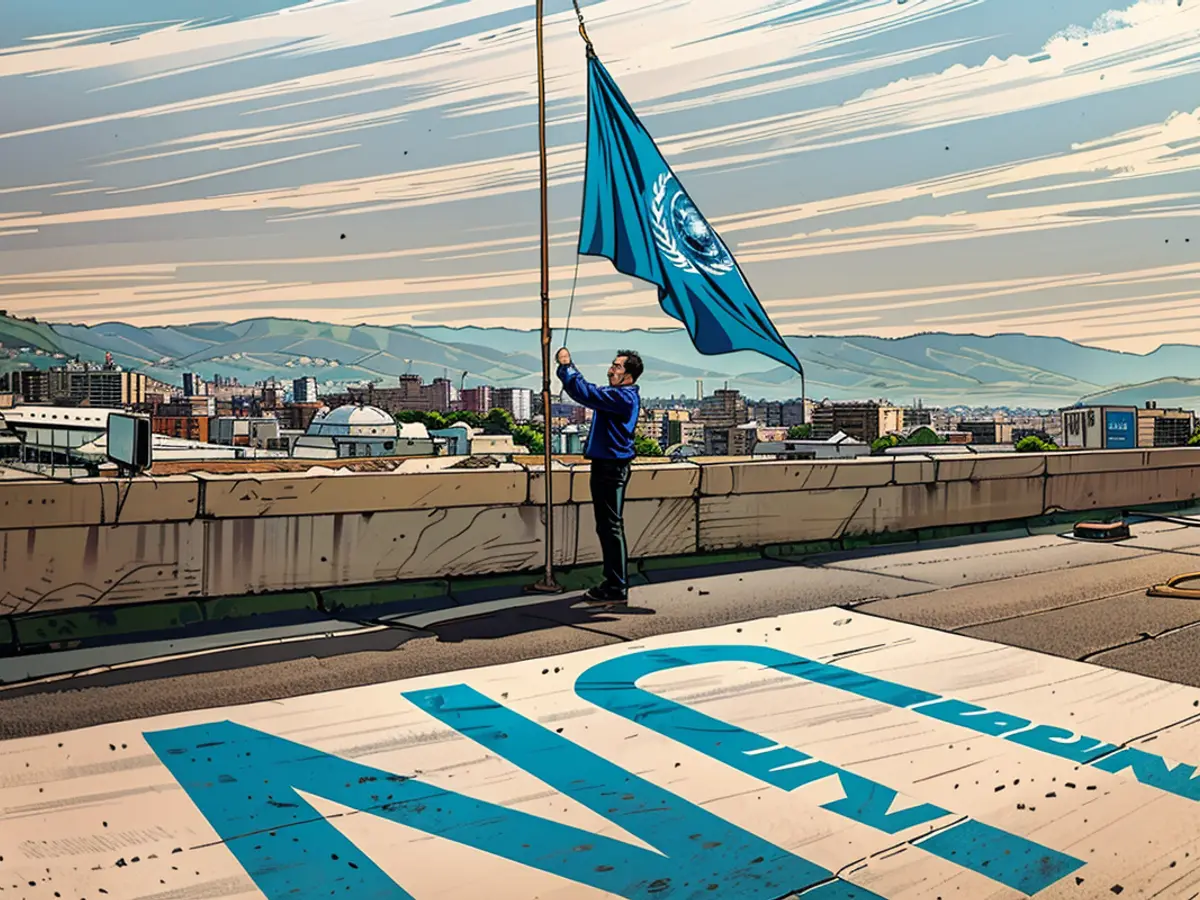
<point x="616" y="414"/>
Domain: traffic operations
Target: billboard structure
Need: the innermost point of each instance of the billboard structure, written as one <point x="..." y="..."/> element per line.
<point x="129" y="442"/>
<point x="1120" y="429"/>
<point x="1100" y="428"/>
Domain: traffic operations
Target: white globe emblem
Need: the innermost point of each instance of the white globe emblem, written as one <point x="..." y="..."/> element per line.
<point x="683" y="237"/>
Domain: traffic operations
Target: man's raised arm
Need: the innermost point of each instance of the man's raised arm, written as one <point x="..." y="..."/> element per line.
<point x="603" y="399"/>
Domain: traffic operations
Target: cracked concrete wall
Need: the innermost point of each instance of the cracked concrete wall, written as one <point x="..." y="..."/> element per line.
<point x="98" y="542"/>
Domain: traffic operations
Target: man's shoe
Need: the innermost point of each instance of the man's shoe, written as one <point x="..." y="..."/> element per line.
<point x="603" y="595"/>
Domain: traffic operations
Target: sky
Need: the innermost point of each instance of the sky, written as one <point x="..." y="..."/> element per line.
<point x="877" y="167"/>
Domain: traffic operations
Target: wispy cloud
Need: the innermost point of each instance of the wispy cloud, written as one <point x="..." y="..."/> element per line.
<point x="317" y="103"/>
<point x="1153" y="33"/>
<point x="1116" y="163"/>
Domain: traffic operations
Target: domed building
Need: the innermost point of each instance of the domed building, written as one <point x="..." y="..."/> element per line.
<point x="356" y="430"/>
<point x="354" y="420"/>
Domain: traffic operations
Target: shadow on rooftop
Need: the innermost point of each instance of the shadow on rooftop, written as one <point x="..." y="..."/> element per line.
<point x="527" y="619"/>
<point x="375" y="636"/>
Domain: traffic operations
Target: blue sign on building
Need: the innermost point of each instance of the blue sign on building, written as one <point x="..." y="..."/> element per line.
<point x="1120" y="429"/>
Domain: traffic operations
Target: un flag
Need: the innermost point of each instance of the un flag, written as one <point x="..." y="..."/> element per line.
<point x="637" y="214"/>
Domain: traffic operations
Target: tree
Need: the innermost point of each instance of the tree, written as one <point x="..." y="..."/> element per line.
<point x="880" y="444"/>
<point x="799" y="433"/>
<point x="499" y="421"/>
<point x="1034" y="444"/>
<point x="1194" y="440"/>
<point x="924" y="437"/>
<point x="644" y="446"/>
<point x="530" y="438"/>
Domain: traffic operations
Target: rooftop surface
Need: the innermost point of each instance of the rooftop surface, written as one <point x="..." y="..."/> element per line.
<point x="984" y="718"/>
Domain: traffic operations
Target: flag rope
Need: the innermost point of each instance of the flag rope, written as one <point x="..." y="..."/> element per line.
<point x="575" y="281"/>
<point x="571" y="305"/>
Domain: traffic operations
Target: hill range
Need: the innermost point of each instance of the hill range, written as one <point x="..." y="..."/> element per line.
<point x="1013" y="370"/>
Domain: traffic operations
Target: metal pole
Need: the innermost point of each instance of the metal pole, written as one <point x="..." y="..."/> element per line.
<point x="803" y="396"/>
<point x="547" y="584"/>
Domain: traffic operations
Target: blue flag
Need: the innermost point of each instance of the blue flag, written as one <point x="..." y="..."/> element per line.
<point x="637" y="214"/>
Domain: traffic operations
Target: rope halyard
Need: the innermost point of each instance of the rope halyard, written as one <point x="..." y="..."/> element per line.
<point x="591" y="52"/>
<point x="571" y="305"/>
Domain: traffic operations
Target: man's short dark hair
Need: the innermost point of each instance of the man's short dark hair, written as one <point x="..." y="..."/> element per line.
<point x="633" y="363"/>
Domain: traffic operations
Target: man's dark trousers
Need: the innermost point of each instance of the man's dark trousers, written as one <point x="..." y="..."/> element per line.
<point x="608" y="482"/>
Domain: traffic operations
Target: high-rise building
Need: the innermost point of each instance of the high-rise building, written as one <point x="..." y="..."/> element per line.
<point x="411" y="395"/>
<point x="724" y="409"/>
<point x="304" y="390"/>
<point x="478" y="399"/>
<point x="193" y="385"/>
<point x="439" y="394"/>
<point x="795" y="412"/>
<point x="517" y="401"/>
<point x="866" y="421"/>
<point x="77" y="383"/>
<point x="32" y="384"/>
<point x="767" y="412"/>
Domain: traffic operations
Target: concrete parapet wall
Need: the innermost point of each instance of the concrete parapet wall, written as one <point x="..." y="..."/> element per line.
<point x="102" y="542"/>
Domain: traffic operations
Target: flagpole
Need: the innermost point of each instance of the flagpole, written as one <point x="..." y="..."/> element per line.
<point x="803" y="399"/>
<point x="547" y="585"/>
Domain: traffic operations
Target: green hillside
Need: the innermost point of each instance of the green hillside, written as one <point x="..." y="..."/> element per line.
<point x="939" y="368"/>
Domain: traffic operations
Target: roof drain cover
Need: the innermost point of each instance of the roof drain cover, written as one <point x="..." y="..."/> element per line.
<point x="1102" y="531"/>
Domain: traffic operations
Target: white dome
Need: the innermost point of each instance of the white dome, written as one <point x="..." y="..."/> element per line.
<point x="354" y="420"/>
<point x="358" y="415"/>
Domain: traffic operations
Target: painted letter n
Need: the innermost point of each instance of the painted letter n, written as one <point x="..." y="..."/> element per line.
<point x="245" y="784"/>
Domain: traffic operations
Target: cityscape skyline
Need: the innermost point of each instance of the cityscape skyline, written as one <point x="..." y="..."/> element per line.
<point x="203" y="421"/>
<point x="309" y="389"/>
<point x="936" y="165"/>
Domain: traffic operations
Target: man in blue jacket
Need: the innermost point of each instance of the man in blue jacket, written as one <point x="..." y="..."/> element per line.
<point x="615" y="409"/>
